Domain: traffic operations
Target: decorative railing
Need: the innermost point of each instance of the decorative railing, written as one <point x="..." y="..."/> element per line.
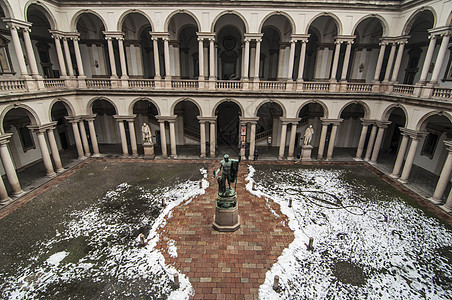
<point x="404" y="89"/>
<point x="359" y="87"/>
<point x="443" y="93"/>
<point x="272" y="85"/>
<point x="12" y="85"/>
<point x="184" y="84"/>
<point x="142" y="83"/>
<point x="229" y="84"/>
<point x="54" y="83"/>
<point x="263" y="135"/>
<point x="98" y="83"/>
<point x="316" y="86"/>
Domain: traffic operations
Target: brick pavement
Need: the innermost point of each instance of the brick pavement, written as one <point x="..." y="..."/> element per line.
<point x="226" y="265"/>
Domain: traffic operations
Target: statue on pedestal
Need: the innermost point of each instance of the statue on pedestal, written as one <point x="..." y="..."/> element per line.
<point x="230" y="168"/>
<point x="146" y="133"/>
<point x="308" y="133"/>
<point x="307" y="148"/>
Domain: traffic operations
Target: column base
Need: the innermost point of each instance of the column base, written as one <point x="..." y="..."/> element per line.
<point x="51" y="175"/>
<point x="6" y="201"/>
<point x="394" y="176"/>
<point x="280" y="157"/>
<point x="435" y="201"/>
<point x="18" y="194"/>
<point x="60" y="170"/>
<point x="372" y="162"/>
<point x="404" y="181"/>
<point x="446" y="209"/>
<point x="357" y="159"/>
<point x="96" y="155"/>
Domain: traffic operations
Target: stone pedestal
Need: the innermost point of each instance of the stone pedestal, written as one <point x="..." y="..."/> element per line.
<point x="149" y="150"/>
<point x="306" y="153"/>
<point x="227" y="217"/>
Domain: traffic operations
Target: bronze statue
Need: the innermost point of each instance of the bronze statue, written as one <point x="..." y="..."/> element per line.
<point x="230" y="169"/>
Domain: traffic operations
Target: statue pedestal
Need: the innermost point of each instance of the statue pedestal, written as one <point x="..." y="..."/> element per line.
<point x="306" y="153"/>
<point x="148" y="150"/>
<point x="227" y="217"/>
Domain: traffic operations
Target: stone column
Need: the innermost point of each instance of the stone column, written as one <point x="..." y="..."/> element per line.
<point x="335" y="60"/>
<point x="322" y="139"/>
<point x="59" y="51"/>
<point x="77" y="139"/>
<point x="332" y="141"/>
<point x="18" y="49"/>
<point x="4" y="198"/>
<point x="202" y="133"/>
<point x="78" y="58"/>
<point x="291" y="60"/>
<point x="30" y="53"/>
<point x="122" y="132"/>
<point x="213" y="134"/>
<point x="398" y="60"/>
<point x="292" y="140"/>
<point x="282" y="141"/>
<point x="92" y="133"/>
<point x="242" y="149"/>
<point x="246" y="64"/>
<point x="381" y="56"/>
<point x="440" y="58"/>
<point x="172" y="132"/>
<point x="362" y="139"/>
<point x="201" y="57"/>
<point x="45" y="152"/>
<point x="133" y="138"/>
<point x="401" y="154"/>
<point x="55" y="153"/>
<point x="428" y="59"/>
<point x="111" y="56"/>
<point x="257" y="60"/>
<point x="122" y="58"/>
<point x="382" y="125"/>
<point x="410" y="157"/>
<point x="9" y="166"/>
<point x="163" y="137"/>
<point x="252" y="139"/>
<point x="85" y="143"/>
<point x="67" y="54"/>
<point x="346" y="60"/>
<point x="302" y="60"/>
<point x="390" y="61"/>
<point x="212" y="75"/>
<point x="156" y="58"/>
<point x="444" y="178"/>
<point x="448" y="206"/>
<point x="370" y="143"/>
<point x="167" y="58"/>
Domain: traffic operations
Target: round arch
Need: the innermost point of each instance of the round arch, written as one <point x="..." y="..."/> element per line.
<point x="132" y="104"/>
<point x="228" y="100"/>
<point x="283" y="108"/>
<point x="6" y="7"/>
<point x="387" y="112"/>
<point x="69" y="107"/>
<point x="78" y="14"/>
<point x="449" y="20"/>
<point x="323" y="105"/>
<point x="181" y="11"/>
<point x="89" y="106"/>
<point x="278" y="13"/>
<point x="421" y="123"/>
<point x="383" y="23"/>
<point x="363" y="104"/>
<point x="412" y="18"/>
<point x="185" y="99"/>
<point x="229" y="12"/>
<point x="326" y="14"/>
<point x="45" y="11"/>
<point x="132" y="11"/>
<point x="29" y="111"/>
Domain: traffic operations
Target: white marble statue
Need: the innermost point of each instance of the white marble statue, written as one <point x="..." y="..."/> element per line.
<point x="146" y="132"/>
<point x="308" y="133"/>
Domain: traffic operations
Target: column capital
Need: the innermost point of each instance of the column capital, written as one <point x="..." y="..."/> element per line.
<point x="205" y="35"/>
<point x="43" y="128"/>
<point x="402" y="39"/>
<point x="207" y="119"/>
<point x="383" y="124"/>
<point x="56" y="34"/>
<point x="388" y="40"/>
<point x="345" y="38"/>
<point x="448" y="144"/>
<point x="414" y="134"/>
<point x="113" y="35"/>
<point x="289" y="120"/>
<point x="89" y="117"/>
<point x="128" y="118"/>
<point x="161" y="118"/>
<point x="17" y="24"/>
<point x="300" y="37"/>
<point x="441" y="31"/>
<point x="331" y="121"/>
<point x="248" y="119"/>
<point x="4" y="138"/>
<point x="367" y="122"/>
<point x="72" y="36"/>
<point x="73" y="119"/>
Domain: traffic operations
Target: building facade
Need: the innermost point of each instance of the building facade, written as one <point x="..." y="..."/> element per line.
<point x="375" y="76"/>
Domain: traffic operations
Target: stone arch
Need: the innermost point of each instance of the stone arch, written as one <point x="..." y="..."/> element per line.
<point x="181" y="11"/>
<point x="227" y="12"/>
<point x="242" y="111"/>
<point x="326" y="14"/>
<point x="89" y="106"/>
<point x="421" y="124"/>
<point x="383" y="22"/>
<point x="132" y="11"/>
<point x="185" y="99"/>
<point x="409" y="23"/>
<point x="69" y="107"/>
<point x="325" y="108"/>
<point x="364" y="105"/>
<point x="449" y="20"/>
<point x="45" y="11"/>
<point x="6" y="7"/>
<point x="132" y="104"/>
<point x="283" y="108"/>
<point x="29" y="111"/>
<point x="276" y="13"/>
<point x="78" y="14"/>
<point x="387" y="112"/>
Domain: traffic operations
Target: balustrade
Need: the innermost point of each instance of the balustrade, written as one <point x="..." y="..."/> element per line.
<point x="12" y="85"/>
<point x="229" y="84"/>
<point x="443" y="93"/>
<point x="403" y="89"/>
<point x="316" y="86"/>
<point x="185" y="84"/>
<point x="54" y="83"/>
<point x="359" y="87"/>
<point x="272" y="85"/>
<point x="98" y="83"/>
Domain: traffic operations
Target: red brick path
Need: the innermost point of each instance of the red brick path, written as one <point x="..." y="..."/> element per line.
<point x="226" y="265"/>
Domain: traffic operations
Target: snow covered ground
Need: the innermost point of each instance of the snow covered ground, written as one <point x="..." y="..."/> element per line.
<point x="368" y="244"/>
<point x="98" y="253"/>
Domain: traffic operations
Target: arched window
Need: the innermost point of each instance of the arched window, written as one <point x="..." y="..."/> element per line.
<point x="5" y="59"/>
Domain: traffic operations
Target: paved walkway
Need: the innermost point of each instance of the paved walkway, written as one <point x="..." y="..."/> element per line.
<point x="226" y="265"/>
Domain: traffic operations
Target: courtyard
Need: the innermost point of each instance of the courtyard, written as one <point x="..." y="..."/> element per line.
<point x="77" y="235"/>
